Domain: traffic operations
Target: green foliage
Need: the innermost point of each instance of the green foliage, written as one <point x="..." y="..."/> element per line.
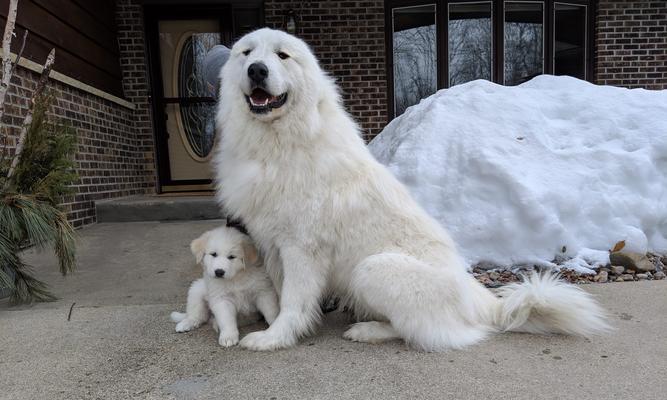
<point x="29" y="212"/>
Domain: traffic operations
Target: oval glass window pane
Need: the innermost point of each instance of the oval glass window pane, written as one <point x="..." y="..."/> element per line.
<point x="197" y="119"/>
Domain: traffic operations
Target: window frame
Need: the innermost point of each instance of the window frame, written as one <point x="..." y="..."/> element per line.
<point x="498" y="39"/>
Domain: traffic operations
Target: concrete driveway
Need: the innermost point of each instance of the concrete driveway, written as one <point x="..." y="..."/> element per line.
<point x="120" y="344"/>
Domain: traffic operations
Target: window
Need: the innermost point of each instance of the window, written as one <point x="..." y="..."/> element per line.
<point x="470" y="42"/>
<point x="437" y="44"/>
<point x="523" y="35"/>
<point x="414" y="54"/>
<point x="570" y="40"/>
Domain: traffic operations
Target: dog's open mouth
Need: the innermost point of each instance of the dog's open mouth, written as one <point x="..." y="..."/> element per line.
<point x="260" y="101"/>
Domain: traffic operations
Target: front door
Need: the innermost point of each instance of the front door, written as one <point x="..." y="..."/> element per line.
<point x="183" y="101"/>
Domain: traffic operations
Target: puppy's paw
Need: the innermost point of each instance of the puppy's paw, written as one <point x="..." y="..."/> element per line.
<point x="265" y="341"/>
<point x="186" y="325"/>
<point x="228" y="339"/>
<point x="178" y="316"/>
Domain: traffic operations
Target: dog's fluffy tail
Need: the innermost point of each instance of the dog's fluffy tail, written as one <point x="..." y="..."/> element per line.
<point x="178" y="316"/>
<point x="545" y="304"/>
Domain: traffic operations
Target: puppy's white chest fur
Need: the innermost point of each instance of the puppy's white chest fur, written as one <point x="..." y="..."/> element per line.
<point x="242" y="291"/>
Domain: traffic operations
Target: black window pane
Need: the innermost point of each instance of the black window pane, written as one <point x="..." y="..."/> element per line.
<point x="524" y="32"/>
<point x="570" y="39"/>
<point x="415" y="62"/>
<point x="470" y="44"/>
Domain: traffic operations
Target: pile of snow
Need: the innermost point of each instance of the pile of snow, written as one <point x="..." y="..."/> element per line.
<point x="556" y="167"/>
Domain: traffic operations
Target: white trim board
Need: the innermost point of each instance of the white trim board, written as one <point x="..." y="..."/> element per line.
<point x="33" y="66"/>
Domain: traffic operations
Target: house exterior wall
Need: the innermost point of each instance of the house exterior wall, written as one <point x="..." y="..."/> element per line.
<point x="348" y="37"/>
<point x="115" y="147"/>
<point x="631" y="43"/>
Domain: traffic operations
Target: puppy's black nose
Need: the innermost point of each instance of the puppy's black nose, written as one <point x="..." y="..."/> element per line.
<point x="219" y="273"/>
<point x="258" y="72"/>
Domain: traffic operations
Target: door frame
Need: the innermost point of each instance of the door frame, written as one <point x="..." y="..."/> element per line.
<point x="152" y="15"/>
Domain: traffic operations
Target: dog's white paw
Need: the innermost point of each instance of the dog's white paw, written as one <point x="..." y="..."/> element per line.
<point x="370" y="332"/>
<point x="178" y="316"/>
<point x="185" y="326"/>
<point x="264" y="341"/>
<point x="357" y="333"/>
<point x="227" y="339"/>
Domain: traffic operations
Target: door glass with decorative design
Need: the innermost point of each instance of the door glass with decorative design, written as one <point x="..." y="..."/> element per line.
<point x="189" y="100"/>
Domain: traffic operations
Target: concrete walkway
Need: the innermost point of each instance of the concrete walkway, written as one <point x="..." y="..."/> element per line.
<point x="120" y="344"/>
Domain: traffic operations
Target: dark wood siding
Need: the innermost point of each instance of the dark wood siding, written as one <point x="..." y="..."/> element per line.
<point x="83" y="33"/>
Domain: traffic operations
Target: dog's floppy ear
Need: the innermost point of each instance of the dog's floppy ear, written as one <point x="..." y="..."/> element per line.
<point x="249" y="252"/>
<point x="198" y="247"/>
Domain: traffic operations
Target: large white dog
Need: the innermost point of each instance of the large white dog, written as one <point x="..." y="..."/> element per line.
<point x="329" y="217"/>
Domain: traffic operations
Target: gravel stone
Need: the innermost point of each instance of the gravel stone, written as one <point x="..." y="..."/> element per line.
<point x="617" y="269"/>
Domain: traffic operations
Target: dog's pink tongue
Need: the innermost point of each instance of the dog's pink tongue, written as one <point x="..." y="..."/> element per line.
<point x="259" y="96"/>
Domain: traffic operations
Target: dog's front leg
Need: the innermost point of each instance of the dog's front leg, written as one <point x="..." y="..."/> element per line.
<point x="225" y="316"/>
<point x="304" y="279"/>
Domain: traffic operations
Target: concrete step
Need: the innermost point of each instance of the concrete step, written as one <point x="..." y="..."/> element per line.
<point x="157" y="208"/>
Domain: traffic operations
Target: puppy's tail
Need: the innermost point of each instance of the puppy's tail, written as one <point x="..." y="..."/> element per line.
<point x="545" y="304"/>
<point x="178" y="316"/>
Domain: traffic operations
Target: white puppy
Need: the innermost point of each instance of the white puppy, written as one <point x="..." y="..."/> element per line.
<point x="234" y="282"/>
<point x="329" y="218"/>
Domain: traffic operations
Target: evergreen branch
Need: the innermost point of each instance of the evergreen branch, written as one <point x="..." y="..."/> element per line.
<point x="64" y="244"/>
<point x="27" y="288"/>
<point x="27" y="121"/>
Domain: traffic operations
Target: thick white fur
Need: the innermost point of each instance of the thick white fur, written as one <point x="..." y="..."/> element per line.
<point x="245" y="287"/>
<point x="329" y="217"/>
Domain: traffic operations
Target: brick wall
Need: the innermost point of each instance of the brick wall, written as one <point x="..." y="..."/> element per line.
<point x="114" y="156"/>
<point x="631" y="43"/>
<point x="134" y="67"/>
<point x="348" y="38"/>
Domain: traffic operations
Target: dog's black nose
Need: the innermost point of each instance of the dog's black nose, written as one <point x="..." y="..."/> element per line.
<point x="258" y="72"/>
<point x="219" y="273"/>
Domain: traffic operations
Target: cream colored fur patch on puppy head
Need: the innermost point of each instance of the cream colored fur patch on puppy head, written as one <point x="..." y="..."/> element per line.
<point x="223" y="252"/>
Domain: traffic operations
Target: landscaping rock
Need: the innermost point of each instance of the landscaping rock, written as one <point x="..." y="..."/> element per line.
<point x="627" y="277"/>
<point x="617" y="269"/>
<point x="601" y="277"/>
<point x="642" y="277"/>
<point x="659" y="275"/>
<point x="636" y="261"/>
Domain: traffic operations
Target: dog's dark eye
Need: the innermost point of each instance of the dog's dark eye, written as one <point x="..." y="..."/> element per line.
<point x="231" y="257"/>
<point x="282" y="55"/>
<point x="214" y="254"/>
<point x="246" y="52"/>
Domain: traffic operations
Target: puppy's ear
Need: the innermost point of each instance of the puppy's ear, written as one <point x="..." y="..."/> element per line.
<point x="249" y="253"/>
<point x="198" y="247"/>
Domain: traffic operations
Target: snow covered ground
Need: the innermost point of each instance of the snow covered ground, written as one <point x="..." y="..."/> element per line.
<point x="554" y="168"/>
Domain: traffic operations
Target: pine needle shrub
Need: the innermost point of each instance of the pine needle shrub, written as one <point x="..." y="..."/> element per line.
<point x="29" y="211"/>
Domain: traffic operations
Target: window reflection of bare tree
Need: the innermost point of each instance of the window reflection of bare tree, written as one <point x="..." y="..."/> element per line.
<point x="469" y="50"/>
<point x="523" y="52"/>
<point x="415" y="66"/>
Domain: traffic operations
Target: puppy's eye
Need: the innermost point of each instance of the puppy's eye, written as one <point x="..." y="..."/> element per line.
<point x="283" y="55"/>
<point x="214" y="254"/>
<point x="246" y="52"/>
<point x="231" y="257"/>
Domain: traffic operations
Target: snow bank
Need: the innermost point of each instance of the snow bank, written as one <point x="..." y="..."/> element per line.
<point x="556" y="167"/>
